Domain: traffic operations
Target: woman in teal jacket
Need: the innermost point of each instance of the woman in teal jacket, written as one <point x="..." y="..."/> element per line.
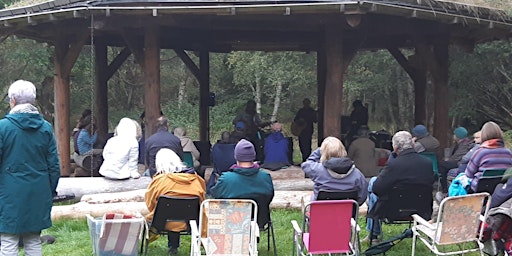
<point x="29" y="172"/>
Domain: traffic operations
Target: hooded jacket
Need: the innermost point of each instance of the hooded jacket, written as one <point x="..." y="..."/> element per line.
<point x="29" y="172"/>
<point x="188" y="146"/>
<point x="335" y="174"/>
<point x="244" y="183"/>
<point x="276" y="148"/>
<point x="174" y="184"/>
<point x="120" y="155"/>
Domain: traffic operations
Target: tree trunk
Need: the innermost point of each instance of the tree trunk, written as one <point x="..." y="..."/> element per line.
<point x="257" y="94"/>
<point x="181" y="92"/>
<point x="277" y="101"/>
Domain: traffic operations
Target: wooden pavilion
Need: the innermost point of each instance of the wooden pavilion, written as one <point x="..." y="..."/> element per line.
<point x="335" y="30"/>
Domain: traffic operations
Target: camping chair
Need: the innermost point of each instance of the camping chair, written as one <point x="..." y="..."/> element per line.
<point x="402" y="202"/>
<point x="489" y="180"/>
<point x="116" y="234"/>
<point x="331" y="229"/>
<point x="172" y="209"/>
<point x="338" y="195"/>
<point x="188" y="159"/>
<point x="264" y="222"/>
<point x="433" y="158"/>
<point x="227" y="228"/>
<point x="458" y="223"/>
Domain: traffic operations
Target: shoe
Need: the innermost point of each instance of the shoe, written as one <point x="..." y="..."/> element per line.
<point x="173" y="251"/>
<point x="375" y="240"/>
<point x="47" y="239"/>
<point x="440" y="196"/>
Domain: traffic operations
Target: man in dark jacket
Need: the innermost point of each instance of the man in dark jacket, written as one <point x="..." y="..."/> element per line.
<point x="161" y="139"/>
<point x="306" y="116"/>
<point x="29" y="172"/>
<point x="407" y="168"/>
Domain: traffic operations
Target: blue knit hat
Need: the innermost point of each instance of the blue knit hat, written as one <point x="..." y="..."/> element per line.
<point x="460" y="132"/>
<point x="244" y="151"/>
<point x="419" y="131"/>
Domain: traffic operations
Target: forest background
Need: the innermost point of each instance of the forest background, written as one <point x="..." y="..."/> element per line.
<point x="480" y="85"/>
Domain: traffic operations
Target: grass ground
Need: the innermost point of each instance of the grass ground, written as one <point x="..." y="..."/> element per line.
<point x="73" y="238"/>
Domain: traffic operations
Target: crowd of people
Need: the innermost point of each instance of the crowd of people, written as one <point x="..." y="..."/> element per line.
<point x="236" y="171"/>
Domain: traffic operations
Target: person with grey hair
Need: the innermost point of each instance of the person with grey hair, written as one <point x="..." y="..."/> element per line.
<point x="29" y="172"/>
<point x="172" y="179"/>
<point x="408" y="168"/>
<point x="188" y="145"/>
<point x="162" y="138"/>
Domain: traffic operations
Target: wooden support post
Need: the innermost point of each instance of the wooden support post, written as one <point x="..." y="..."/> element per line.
<point x="333" y="95"/>
<point x="65" y="57"/>
<point x="320" y="78"/>
<point x="441" y="92"/>
<point x="204" y="92"/>
<point x="101" y="90"/>
<point x="152" y="78"/>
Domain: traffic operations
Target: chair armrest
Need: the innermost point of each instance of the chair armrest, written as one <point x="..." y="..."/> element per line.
<point x="296" y="227"/>
<point x="354" y="224"/>
<point x="422" y="221"/>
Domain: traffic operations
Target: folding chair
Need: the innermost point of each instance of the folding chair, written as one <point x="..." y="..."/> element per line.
<point x="458" y="223"/>
<point x="489" y="180"/>
<point x="330" y="229"/>
<point x="188" y="159"/>
<point x="433" y="158"/>
<point x="337" y="194"/>
<point x="265" y="222"/>
<point x="227" y="228"/>
<point x="172" y="209"/>
<point x="116" y="234"/>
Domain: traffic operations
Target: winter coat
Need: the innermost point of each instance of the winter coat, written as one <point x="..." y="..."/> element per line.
<point x="362" y="151"/>
<point x="460" y="149"/>
<point x="29" y="173"/>
<point x="86" y="141"/>
<point x="276" y="148"/>
<point x="161" y="139"/>
<point x="120" y="155"/>
<point x="408" y="167"/>
<point x="426" y="143"/>
<point x="174" y="184"/>
<point x="335" y="174"/>
<point x="188" y="146"/>
<point x="492" y="154"/>
<point x="502" y="193"/>
<point x="244" y="183"/>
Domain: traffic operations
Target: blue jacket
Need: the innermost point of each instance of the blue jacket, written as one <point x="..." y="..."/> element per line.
<point x="29" y="173"/>
<point x="223" y="157"/>
<point x="276" y="148"/>
<point x="244" y="183"/>
<point x="85" y="141"/>
<point x="335" y="174"/>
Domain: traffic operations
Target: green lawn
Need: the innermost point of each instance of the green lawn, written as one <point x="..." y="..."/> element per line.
<point x="73" y="238"/>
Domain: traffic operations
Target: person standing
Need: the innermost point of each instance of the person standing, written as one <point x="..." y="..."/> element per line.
<point x="29" y="172"/>
<point x="305" y="117"/>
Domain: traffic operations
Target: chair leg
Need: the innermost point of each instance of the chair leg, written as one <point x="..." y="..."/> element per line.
<point x="271" y="228"/>
<point x="413" y="243"/>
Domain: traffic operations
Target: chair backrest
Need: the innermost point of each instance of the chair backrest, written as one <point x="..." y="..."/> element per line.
<point x="228" y="226"/>
<point x="330" y="226"/>
<point x="489" y="180"/>
<point x="432" y="156"/>
<point x="407" y="200"/>
<point x="116" y="234"/>
<point x="175" y="209"/>
<point x="188" y="159"/>
<point x="263" y="217"/>
<point x="337" y="194"/>
<point x="459" y="218"/>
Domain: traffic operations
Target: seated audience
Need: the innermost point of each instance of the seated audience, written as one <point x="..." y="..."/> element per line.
<point x="246" y="180"/>
<point x="188" y="145"/>
<point x="223" y="158"/>
<point x="407" y="168"/>
<point x="239" y="132"/>
<point x="162" y="138"/>
<point x="465" y="159"/>
<point x="492" y="154"/>
<point x="462" y="145"/>
<point x="80" y="124"/>
<point x="172" y="179"/>
<point x="276" y="149"/>
<point x="331" y="169"/>
<point x="120" y="155"/>
<point x="89" y="156"/>
<point x="423" y="141"/>
<point x="362" y="151"/>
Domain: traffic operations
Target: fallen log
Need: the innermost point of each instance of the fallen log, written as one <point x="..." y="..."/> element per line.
<point x="293" y="185"/>
<point x="94" y="185"/>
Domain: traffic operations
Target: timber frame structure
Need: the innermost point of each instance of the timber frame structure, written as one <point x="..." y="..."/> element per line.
<point x="335" y="30"/>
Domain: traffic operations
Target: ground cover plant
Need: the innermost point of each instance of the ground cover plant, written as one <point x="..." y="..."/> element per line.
<point x="73" y="238"/>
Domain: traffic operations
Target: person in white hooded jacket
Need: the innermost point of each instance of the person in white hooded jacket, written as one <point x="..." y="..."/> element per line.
<point x="121" y="152"/>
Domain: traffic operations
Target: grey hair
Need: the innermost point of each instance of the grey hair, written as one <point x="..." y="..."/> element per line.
<point x="402" y="140"/>
<point x="166" y="161"/>
<point x="22" y="92"/>
<point x="180" y="131"/>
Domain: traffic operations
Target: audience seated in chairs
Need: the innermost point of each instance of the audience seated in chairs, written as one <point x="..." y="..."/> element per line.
<point x="362" y="151"/>
<point x="408" y="168"/>
<point x="276" y="149"/>
<point x="246" y="180"/>
<point x="172" y="179"/>
<point x="492" y="154"/>
<point x="423" y="140"/>
<point x="331" y="169"/>
<point x="122" y="151"/>
<point x="223" y="158"/>
<point x="188" y="145"/>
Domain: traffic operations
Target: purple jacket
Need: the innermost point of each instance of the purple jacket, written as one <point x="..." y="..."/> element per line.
<point x="492" y="154"/>
<point x="335" y="174"/>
